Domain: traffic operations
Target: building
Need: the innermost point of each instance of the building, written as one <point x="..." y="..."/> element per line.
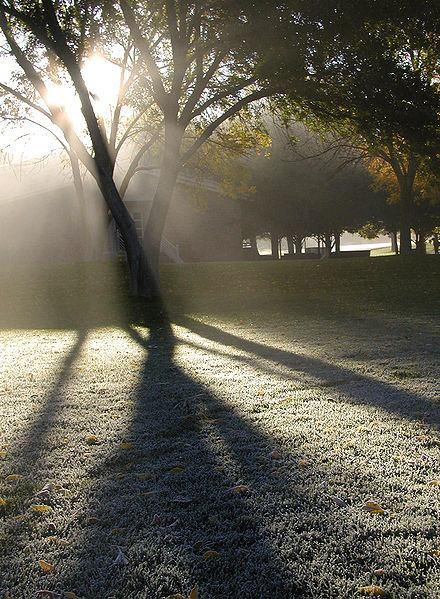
<point x="41" y="221"/>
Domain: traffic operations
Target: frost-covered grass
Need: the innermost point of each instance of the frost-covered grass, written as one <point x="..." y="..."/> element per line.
<point x="234" y="448"/>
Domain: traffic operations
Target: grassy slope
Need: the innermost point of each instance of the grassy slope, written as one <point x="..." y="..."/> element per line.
<point x="331" y="365"/>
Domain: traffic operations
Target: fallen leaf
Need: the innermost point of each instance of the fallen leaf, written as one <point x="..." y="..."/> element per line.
<point x="46" y="566"/>
<point x="373" y="508"/>
<point x="58" y="541"/>
<point x="3" y="502"/>
<point x="145" y="476"/>
<point x="276" y="455"/>
<point x="208" y="420"/>
<point x="210" y="554"/>
<point x="261" y="391"/>
<point x="92" y="520"/>
<point x="338" y="501"/>
<point x="20" y="518"/>
<point x="41" y="508"/>
<point x="121" y="559"/>
<point x="176" y="596"/>
<point x="181" y="500"/>
<point x="373" y="590"/>
<point x="194" y="593"/>
<point x="435" y="552"/>
<point x="12" y="478"/>
<point x="176" y="469"/>
<point x="435" y="482"/>
<point x="239" y="489"/>
<point x="303" y="463"/>
<point x="379" y="572"/>
<point x="69" y="595"/>
<point x="3" y="454"/>
<point x="117" y="531"/>
<point x="126" y="445"/>
<point x="92" y="440"/>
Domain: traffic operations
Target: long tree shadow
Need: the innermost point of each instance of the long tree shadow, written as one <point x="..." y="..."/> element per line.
<point x="29" y="450"/>
<point x="197" y="497"/>
<point x="30" y="445"/>
<point x="363" y="389"/>
<point x="192" y="494"/>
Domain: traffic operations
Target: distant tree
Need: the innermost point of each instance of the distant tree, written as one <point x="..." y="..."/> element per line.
<point x="376" y="84"/>
<point x="302" y="191"/>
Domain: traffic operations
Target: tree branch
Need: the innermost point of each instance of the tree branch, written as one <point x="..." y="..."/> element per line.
<point x="257" y="95"/>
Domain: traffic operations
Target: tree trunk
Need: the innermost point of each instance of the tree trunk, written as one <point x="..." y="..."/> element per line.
<point x="406" y="203"/>
<point x="163" y="196"/>
<point x="421" y="243"/>
<point x="298" y="245"/>
<point x="436" y="243"/>
<point x="84" y="238"/>
<point x="290" y="245"/>
<point x="254" y="246"/>
<point x="394" y="244"/>
<point x="338" y="242"/>
<point x="328" y="245"/>
<point x="274" y="245"/>
<point x="142" y="283"/>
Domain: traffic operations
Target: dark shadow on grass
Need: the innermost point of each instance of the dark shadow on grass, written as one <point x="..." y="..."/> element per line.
<point x="172" y="496"/>
<point x="363" y="389"/>
<point x="168" y="500"/>
<point x="30" y="446"/>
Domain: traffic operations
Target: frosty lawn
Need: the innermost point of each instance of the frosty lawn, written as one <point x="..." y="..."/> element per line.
<point x="236" y="448"/>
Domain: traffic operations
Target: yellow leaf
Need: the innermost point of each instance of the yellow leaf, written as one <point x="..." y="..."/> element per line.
<point x="13" y="478"/>
<point x="373" y="508"/>
<point x="92" y="440"/>
<point x="176" y="469"/>
<point x="303" y="463"/>
<point x="3" y="454"/>
<point x="435" y="482"/>
<point x="435" y="552"/>
<point x="145" y="476"/>
<point x="194" y="593"/>
<point x="46" y="566"/>
<point x="20" y="518"/>
<point x="58" y="541"/>
<point x="210" y="554"/>
<point x="41" y="508"/>
<point x="3" y="502"/>
<point x="126" y="445"/>
<point x="239" y="489"/>
<point x="373" y="590"/>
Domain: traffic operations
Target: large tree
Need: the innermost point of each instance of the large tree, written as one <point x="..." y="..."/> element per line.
<point x="197" y="71"/>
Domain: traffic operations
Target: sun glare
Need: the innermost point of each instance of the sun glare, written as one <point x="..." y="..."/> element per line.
<point x="102" y="79"/>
